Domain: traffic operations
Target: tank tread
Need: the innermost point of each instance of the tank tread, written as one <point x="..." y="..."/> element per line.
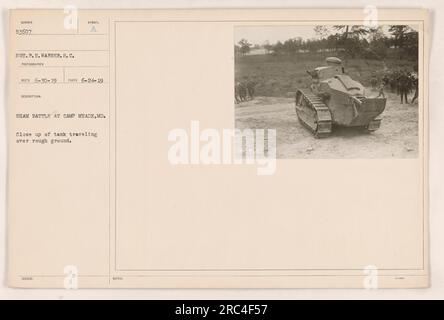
<point x="313" y="113"/>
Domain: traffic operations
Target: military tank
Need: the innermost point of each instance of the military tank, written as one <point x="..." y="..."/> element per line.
<point x="334" y="98"/>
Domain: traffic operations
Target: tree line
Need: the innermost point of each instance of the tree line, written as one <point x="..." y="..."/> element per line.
<point x="348" y="41"/>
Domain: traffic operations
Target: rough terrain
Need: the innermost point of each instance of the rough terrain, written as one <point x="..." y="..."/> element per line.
<point x="396" y="138"/>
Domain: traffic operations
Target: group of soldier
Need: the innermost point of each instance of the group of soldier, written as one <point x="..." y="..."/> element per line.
<point x="244" y="90"/>
<point x="402" y="82"/>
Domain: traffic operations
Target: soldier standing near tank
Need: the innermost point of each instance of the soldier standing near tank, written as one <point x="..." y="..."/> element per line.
<point x="382" y="85"/>
<point x="381" y="90"/>
<point x="404" y="86"/>
<point x="250" y="85"/>
<point x="385" y="79"/>
<point x="240" y="92"/>
<point x="399" y="76"/>
<point x="393" y="81"/>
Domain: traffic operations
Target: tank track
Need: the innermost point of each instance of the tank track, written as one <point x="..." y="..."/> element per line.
<point x="313" y="113"/>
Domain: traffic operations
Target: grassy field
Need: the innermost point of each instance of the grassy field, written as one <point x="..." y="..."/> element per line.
<point x="276" y="76"/>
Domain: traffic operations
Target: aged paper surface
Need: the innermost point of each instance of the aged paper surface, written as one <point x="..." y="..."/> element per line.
<point x="122" y="175"/>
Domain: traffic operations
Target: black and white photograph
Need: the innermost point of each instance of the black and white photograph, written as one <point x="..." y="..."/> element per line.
<point x="330" y="91"/>
<point x="224" y="159"/>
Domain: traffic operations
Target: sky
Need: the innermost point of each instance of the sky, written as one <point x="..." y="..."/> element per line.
<point x="272" y="34"/>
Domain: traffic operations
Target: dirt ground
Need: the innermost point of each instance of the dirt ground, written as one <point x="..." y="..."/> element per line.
<point x="396" y="138"/>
